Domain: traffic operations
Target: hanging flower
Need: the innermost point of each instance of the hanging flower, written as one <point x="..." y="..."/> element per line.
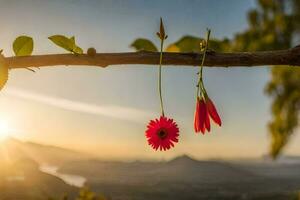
<point x="205" y="108"/>
<point x="202" y="121"/>
<point x="162" y="133"/>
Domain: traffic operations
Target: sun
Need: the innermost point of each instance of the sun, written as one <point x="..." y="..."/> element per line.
<point x="4" y="129"/>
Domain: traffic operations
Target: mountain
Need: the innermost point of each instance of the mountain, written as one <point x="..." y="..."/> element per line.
<point x="183" y="160"/>
<point x="186" y="178"/>
<point x="21" y="182"/>
<point x="180" y="178"/>
<point x="181" y="169"/>
<point x="288" y="160"/>
<point x="20" y="177"/>
<point x="12" y="149"/>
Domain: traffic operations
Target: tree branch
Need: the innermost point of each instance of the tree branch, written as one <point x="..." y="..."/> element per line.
<point x="280" y="57"/>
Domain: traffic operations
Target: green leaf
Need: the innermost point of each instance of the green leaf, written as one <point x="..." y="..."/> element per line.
<point x="77" y="50"/>
<point x="63" y="41"/>
<point x="172" y="48"/>
<point x="143" y="44"/>
<point x="72" y="39"/>
<point x="23" y="46"/>
<point x="192" y="44"/>
<point x="3" y="72"/>
<point x="68" y="44"/>
<point x="187" y="44"/>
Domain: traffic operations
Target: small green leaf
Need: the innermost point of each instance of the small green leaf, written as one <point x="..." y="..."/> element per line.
<point x="143" y="44"/>
<point x="77" y="50"/>
<point x="72" y="39"/>
<point x="23" y="46"/>
<point x="192" y="44"/>
<point x="68" y="44"/>
<point x="187" y="44"/>
<point x="3" y="72"/>
<point x="172" y="48"/>
<point x="63" y="41"/>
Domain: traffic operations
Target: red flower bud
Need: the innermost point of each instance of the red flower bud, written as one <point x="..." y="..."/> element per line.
<point x="207" y="122"/>
<point x="213" y="111"/>
<point x="196" y="118"/>
<point x="201" y="118"/>
<point x="202" y="115"/>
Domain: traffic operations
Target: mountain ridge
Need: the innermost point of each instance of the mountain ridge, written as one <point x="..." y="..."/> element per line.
<point x="73" y="155"/>
<point x="16" y="149"/>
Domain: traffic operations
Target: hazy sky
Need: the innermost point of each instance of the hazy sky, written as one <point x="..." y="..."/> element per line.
<point x="105" y="111"/>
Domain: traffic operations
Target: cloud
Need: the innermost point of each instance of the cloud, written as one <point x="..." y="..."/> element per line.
<point x="113" y="111"/>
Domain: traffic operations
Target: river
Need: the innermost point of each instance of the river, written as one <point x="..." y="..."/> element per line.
<point x="70" y="179"/>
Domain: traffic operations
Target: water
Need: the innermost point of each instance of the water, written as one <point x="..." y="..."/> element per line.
<point x="74" y="180"/>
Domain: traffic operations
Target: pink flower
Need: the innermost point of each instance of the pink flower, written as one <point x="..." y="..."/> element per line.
<point x="162" y="133"/>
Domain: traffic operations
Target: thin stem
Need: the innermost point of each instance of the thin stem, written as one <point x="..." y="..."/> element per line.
<point x="159" y="78"/>
<point x="200" y="80"/>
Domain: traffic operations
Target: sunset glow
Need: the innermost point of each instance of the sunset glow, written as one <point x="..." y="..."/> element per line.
<point x="4" y="129"/>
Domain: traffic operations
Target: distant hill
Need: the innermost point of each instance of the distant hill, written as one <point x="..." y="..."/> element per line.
<point x="25" y="183"/>
<point x="181" y="168"/>
<point x="180" y="178"/>
<point x="12" y="149"/>
<point x="288" y="159"/>
<point x="20" y="177"/>
<point x="186" y="178"/>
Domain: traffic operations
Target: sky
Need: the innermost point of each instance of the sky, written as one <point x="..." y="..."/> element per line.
<point x="105" y="111"/>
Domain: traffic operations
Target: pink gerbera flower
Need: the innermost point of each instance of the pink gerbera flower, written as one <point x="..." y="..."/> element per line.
<point x="162" y="133"/>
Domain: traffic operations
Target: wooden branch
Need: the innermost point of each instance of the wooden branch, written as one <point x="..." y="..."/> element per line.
<point x="281" y="57"/>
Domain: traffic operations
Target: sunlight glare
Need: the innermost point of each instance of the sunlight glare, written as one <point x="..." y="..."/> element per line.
<point x="4" y="129"/>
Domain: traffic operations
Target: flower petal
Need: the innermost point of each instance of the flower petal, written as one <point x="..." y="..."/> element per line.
<point x="202" y="115"/>
<point x="213" y="112"/>
<point x="196" y="117"/>
<point x="207" y="121"/>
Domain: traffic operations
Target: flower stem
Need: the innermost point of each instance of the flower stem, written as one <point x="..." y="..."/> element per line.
<point x="200" y="84"/>
<point x="159" y="78"/>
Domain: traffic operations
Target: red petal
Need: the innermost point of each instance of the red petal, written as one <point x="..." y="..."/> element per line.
<point x="196" y="117"/>
<point x="213" y="112"/>
<point x="207" y="122"/>
<point x="202" y="115"/>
